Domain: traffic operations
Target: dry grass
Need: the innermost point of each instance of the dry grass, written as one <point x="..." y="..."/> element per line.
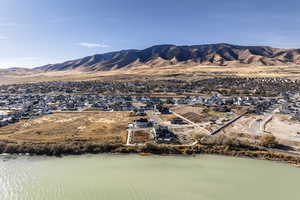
<point x="67" y="127"/>
<point x="167" y="117"/>
<point x="166" y="72"/>
<point x="186" y="109"/>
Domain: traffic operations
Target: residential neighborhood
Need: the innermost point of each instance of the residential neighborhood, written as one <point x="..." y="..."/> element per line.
<point x="16" y="107"/>
<point x="162" y="116"/>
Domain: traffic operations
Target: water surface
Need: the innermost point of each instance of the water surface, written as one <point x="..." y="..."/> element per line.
<point x="112" y="177"/>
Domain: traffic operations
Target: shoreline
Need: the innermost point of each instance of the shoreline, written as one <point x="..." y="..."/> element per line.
<point x="59" y="150"/>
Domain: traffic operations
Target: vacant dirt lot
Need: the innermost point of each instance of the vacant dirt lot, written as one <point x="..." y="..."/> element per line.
<point x="187" y="109"/>
<point x="240" y="126"/>
<point x="98" y="127"/>
<point x="167" y="118"/>
<point x="140" y="136"/>
<point x="284" y="129"/>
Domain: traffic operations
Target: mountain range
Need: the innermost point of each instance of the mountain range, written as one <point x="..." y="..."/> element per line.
<point x="162" y="55"/>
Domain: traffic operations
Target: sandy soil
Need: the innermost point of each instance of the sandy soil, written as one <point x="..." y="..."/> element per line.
<point x="284" y="129"/>
<point x="240" y="126"/>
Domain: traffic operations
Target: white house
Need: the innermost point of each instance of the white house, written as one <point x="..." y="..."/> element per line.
<point x="3" y="114"/>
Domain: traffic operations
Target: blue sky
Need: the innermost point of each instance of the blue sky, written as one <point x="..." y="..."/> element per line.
<point x="38" y="32"/>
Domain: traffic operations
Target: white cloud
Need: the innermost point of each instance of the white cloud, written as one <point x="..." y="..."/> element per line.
<point x="92" y="45"/>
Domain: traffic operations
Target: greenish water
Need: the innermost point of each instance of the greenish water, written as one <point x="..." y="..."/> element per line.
<point x="111" y="177"/>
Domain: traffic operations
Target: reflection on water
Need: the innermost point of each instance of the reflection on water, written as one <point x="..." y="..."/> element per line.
<point x="111" y="177"/>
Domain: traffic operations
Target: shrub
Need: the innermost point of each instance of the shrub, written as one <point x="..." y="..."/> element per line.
<point x="199" y="136"/>
<point x="150" y="148"/>
<point x="159" y="149"/>
<point x="268" y="141"/>
<point x="2" y="147"/>
<point x="11" y="148"/>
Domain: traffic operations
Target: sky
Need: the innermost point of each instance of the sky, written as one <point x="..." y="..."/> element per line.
<point x="38" y="32"/>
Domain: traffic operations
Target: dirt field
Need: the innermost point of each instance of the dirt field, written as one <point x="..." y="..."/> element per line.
<point x="140" y="136"/>
<point x="186" y="109"/>
<point x="284" y="129"/>
<point x="194" y="114"/>
<point x="205" y="116"/>
<point x="184" y="134"/>
<point x="240" y="126"/>
<point x="167" y="118"/>
<point x="65" y="127"/>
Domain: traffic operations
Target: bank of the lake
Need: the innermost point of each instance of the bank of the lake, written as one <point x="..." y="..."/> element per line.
<point x="125" y="177"/>
<point x="79" y="148"/>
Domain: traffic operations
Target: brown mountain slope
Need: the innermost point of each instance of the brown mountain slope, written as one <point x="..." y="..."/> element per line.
<point x="163" y="55"/>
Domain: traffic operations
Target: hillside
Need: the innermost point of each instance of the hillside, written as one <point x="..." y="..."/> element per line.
<point x="164" y="55"/>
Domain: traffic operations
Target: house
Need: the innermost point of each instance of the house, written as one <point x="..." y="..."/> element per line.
<point x="137" y="113"/>
<point x="178" y="121"/>
<point x="3" y="122"/>
<point x="163" y="110"/>
<point x="2" y="114"/>
<point x="285" y="109"/>
<point x="101" y="106"/>
<point x="221" y="109"/>
<point x="296" y="116"/>
<point x="164" y="135"/>
<point x="170" y="101"/>
<point x="148" y="106"/>
<point x="142" y="123"/>
<point x="183" y="100"/>
<point x="127" y="106"/>
<point x="155" y="100"/>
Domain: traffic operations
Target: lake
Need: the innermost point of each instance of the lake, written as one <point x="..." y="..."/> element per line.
<point x="134" y="177"/>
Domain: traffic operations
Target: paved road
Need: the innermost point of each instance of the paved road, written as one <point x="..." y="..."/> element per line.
<point x="258" y="125"/>
<point x="255" y="126"/>
<point x="129" y="136"/>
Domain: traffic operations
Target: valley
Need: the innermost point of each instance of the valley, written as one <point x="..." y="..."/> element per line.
<point x="164" y="99"/>
<point x="173" y="72"/>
